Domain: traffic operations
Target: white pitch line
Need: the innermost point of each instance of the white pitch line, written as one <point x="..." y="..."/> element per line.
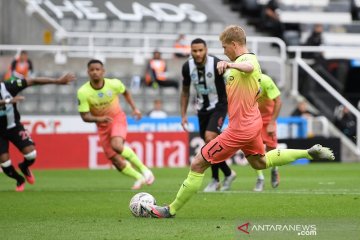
<point x="302" y="192"/>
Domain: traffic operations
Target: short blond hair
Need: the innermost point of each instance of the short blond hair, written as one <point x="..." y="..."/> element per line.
<point x="233" y="33"/>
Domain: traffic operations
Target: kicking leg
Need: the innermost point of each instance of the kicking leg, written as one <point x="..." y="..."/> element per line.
<point x="279" y="157"/>
<point x="189" y="187"/>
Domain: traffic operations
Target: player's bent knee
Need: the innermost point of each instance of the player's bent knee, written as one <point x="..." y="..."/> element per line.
<point x="199" y="164"/>
<point x="117" y="147"/>
<point x="256" y="163"/>
<point x="31" y="155"/>
<point x="258" y="167"/>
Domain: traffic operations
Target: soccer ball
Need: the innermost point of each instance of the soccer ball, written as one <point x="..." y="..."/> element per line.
<point x="137" y="203"/>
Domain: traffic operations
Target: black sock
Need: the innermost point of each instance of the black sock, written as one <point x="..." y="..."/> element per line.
<point x="12" y="173"/>
<point x="215" y="171"/>
<point x="224" y="168"/>
<point x="28" y="163"/>
<point x="24" y="166"/>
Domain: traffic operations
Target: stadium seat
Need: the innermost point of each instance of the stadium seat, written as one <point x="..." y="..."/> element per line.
<point x="167" y="43"/>
<point x="168" y="27"/>
<point x="201" y="28"/>
<point x="151" y="92"/>
<point x="340" y="6"/>
<point x="78" y="41"/>
<point x="66" y="90"/>
<point x="116" y="42"/>
<point x="134" y="27"/>
<point x="100" y="41"/>
<point x="139" y="102"/>
<point x="134" y="43"/>
<point x="83" y="25"/>
<point x="29" y="106"/>
<point x="66" y="106"/>
<point x="67" y="23"/>
<point x="172" y="106"/>
<point x="169" y="92"/>
<point x="185" y="27"/>
<point x="292" y="37"/>
<point x="100" y="26"/>
<point x="154" y="43"/>
<point x="31" y="90"/>
<point x="216" y="28"/>
<point x="353" y="28"/>
<point x="47" y="105"/>
<point x="48" y="89"/>
<point x="151" y="27"/>
<point x="117" y="26"/>
<point x="214" y="44"/>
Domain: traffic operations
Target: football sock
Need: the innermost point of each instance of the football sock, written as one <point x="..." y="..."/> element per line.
<point x="215" y="171"/>
<point x="279" y="157"/>
<point x="224" y="168"/>
<point x="10" y="171"/>
<point x="131" y="172"/>
<point x="189" y="187"/>
<point x="29" y="159"/>
<point x="131" y="156"/>
<point x="260" y="174"/>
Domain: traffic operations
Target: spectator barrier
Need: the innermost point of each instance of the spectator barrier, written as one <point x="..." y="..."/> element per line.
<point x="67" y="142"/>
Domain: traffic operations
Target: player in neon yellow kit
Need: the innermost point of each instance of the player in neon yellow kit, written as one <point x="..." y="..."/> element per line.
<point x="99" y="103"/>
<point x="269" y="106"/>
<point x="244" y="129"/>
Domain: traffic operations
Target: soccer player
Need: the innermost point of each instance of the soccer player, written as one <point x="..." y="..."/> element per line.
<point x="245" y="124"/>
<point x="269" y="106"/>
<point x="211" y="104"/>
<point x="11" y="130"/>
<point x="99" y="103"/>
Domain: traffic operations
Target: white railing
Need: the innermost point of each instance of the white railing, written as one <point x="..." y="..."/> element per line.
<point x="341" y="52"/>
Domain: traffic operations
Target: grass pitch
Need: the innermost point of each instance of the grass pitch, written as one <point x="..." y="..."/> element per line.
<point x="85" y="204"/>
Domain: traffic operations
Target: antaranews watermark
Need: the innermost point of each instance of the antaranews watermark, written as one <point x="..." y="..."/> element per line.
<point x="298" y="229"/>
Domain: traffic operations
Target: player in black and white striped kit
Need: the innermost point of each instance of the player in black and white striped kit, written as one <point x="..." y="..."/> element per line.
<point x="11" y="129"/>
<point x="211" y="103"/>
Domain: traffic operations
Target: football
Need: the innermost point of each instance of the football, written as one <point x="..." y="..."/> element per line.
<point x="138" y="201"/>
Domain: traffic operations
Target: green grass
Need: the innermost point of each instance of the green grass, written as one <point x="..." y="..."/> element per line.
<point x="84" y="204"/>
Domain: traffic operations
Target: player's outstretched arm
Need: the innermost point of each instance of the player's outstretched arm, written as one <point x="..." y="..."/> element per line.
<point x="135" y="111"/>
<point x="15" y="99"/>
<point x="65" y="79"/>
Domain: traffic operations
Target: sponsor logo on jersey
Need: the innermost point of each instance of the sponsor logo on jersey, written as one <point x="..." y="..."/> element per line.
<point x="193" y="76"/>
<point x="229" y="79"/>
<point x="109" y="93"/>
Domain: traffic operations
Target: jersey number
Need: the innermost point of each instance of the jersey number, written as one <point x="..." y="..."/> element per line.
<point x="214" y="149"/>
<point x="24" y="135"/>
